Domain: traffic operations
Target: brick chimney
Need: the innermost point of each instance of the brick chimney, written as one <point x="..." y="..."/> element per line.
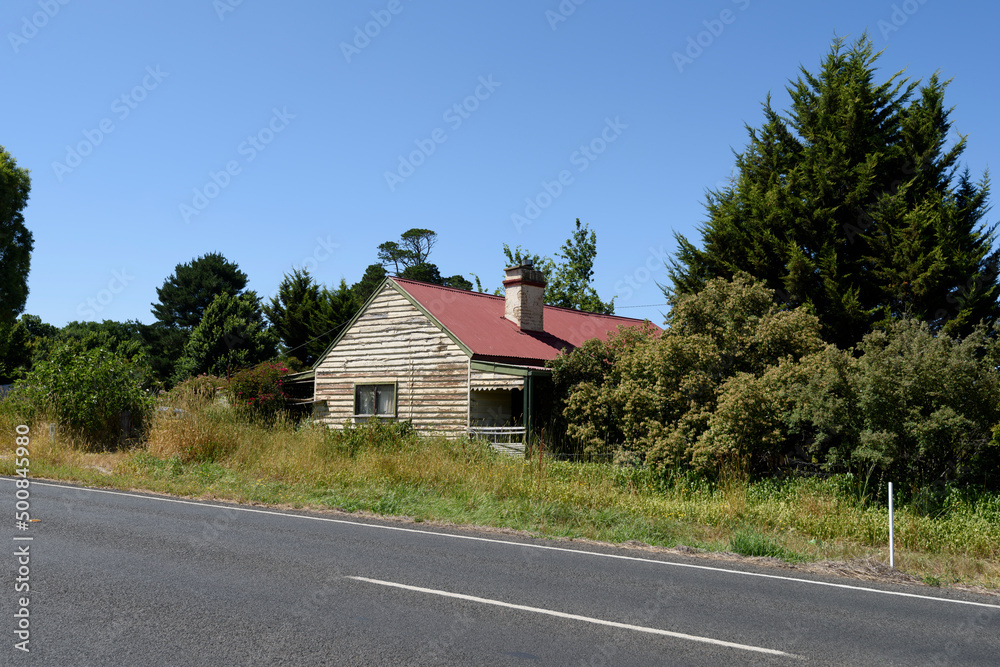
<point x="525" y="297"/>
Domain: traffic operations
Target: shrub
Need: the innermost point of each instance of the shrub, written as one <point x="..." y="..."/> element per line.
<point x="927" y="405"/>
<point x="259" y="392"/>
<point x="92" y="392"/>
<point x="654" y="396"/>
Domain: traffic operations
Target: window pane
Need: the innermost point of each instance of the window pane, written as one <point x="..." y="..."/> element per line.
<point x="364" y="400"/>
<point x="386" y="402"/>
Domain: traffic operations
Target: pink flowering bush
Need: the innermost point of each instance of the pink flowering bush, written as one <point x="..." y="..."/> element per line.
<point x="259" y="391"/>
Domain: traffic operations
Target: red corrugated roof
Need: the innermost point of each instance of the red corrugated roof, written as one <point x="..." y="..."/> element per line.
<point x="477" y="321"/>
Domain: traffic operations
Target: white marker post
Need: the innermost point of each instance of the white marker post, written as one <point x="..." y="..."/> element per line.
<point x="892" y="552"/>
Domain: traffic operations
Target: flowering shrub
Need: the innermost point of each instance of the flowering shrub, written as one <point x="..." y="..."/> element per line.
<point x="260" y="390"/>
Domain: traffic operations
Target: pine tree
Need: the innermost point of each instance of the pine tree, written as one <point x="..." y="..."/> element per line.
<point x="306" y="316"/>
<point x="230" y="337"/>
<point x="183" y="299"/>
<point x="851" y="206"/>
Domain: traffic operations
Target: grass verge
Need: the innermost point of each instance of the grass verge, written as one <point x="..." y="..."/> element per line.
<point x="208" y="452"/>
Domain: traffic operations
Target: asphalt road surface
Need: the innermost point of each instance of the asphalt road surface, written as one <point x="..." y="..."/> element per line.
<point x="129" y="579"/>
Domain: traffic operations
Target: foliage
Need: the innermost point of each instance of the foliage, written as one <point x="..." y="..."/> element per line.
<point x="412" y="249"/>
<point x="654" y="396"/>
<point x="408" y="259"/>
<point x="305" y="315"/>
<point x="370" y="281"/>
<point x="737" y="381"/>
<point x="926" y="406"/>
<point x="187" y="293"/>
<point x="125" y="338"/>
<point x="16" y="242"/>
<point x="231" y="336"/>
<point x="569" y="283"/>
<point x="15" y="350"/>
<point x="259" y="391"/>
<point x="850" y="206"/>
<point x="183" y="299"/>
<point x="92" y="391"/>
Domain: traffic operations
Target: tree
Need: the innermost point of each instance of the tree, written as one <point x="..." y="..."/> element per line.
<point x="186" y="294"/>
<point x="41" y="338"/>
<point x="123" y="338"/>
<point x="183" y="299"/>
<point x="851" y="206"/>
<point x="364" y="288"/>
<point x="16" y="242"/>
<point x="408" y="259"/>
<point x="418" y="243"/>
<point x="293" y="311"/>
<point x="303" y="314"/>
<point x="337" y="308"/>
<point x="231" y="336"/>
<point x="15" y="351"/>
<point x="569" y="283"/>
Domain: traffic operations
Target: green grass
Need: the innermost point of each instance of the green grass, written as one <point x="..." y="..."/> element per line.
<point x="210" y="453"/>
<point x="748" y="542"/>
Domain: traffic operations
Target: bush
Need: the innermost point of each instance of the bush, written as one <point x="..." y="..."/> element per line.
<point x="259" y="392"/>
<point x="652" y="397"/>
<point x="102" y="396"/>
<point x="926" y="405"/>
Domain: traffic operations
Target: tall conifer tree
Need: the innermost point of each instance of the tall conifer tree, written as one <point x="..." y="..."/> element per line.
<point x="852" y="205"/>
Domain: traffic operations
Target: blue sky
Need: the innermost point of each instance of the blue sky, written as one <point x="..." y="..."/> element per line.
<point x="304" y="134"/>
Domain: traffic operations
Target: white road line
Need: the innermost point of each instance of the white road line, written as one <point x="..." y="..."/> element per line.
<point x="577" y="617"/>
<point x="528" y="545"/>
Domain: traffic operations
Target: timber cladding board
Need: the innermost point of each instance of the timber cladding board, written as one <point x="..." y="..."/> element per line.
<point x="393" y="341"/>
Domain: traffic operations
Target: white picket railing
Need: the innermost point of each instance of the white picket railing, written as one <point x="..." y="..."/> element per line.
<point x="505" y="439"/>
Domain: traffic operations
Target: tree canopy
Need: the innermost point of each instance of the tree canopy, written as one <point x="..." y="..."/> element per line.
<point x="852" y="205"/>
<point x="231" y="336"/>
<point x="306" y="315"/>
<point x="16" y="242"/>
<point x="407" y="258"/>
<point x="186" y="294"/>
<point x="569" y="283"/>
<point x="183" y="299"/>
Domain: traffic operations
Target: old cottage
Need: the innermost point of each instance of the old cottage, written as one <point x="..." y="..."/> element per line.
<point x="448" y="360"/>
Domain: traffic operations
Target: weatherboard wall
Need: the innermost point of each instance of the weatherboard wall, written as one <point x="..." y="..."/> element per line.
<point x="392" y="341"/>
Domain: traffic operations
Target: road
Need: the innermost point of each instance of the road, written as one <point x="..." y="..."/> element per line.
<point x="132" y="579"/>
